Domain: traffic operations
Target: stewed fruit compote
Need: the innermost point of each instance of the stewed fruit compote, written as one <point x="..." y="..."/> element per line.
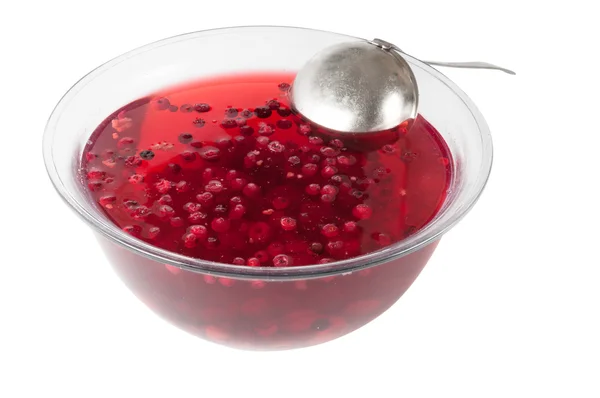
<point x="223" y="170"/>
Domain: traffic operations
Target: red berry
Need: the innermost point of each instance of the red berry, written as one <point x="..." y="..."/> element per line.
<point x="176" y="222"/>
<point x="276" y="248"/>
<point x="313" y="189"/>
<point x="220" y="225"/>
<point x="192" y="207"/>
<point x="282" y="260"/>
<point x="214" y="186"/>
<point x="253" y="262"/>
<point x="288" y="223"/>
<point x="202" y="108"/>
<point x="205" y="199"/>
<point x="200" y="231"/>
<point x="166" y="211"/>
<point x="251" y="190"/>
<point x="210" y="153"/>
<point x="330" y="230"/>
<point x="309" y="169"/>
<point x="362" y="212"/>
<point x="190" y="240"/>
<point x="280" y="202"/>
<point x="197" y="217"/>
<point x="238" y="261"/>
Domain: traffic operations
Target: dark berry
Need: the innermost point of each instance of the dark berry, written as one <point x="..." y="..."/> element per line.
<point x="262" y="112"/>
<point x="186" y="108"/>
<point x="147" y="155"/>
<point x="185" y="138"/>
<point x="202" y="108"/>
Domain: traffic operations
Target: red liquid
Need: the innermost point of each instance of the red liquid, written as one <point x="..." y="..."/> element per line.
<point x="222" y="170"/>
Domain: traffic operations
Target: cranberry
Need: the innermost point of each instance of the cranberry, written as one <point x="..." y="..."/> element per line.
<point x="237" y="212"/>
<point x="314" y="140"/>
<point x="199" y="231"/>
<point x="259" y="232"/>
<point x="350" y="227"/>
<point x="266" y="129"/>
<point x="238" y="261"/>
<point x="174" y="168"/>
<point x="185" y="138"/>
<point x="231" y="112"/>
<point x="313" y="189"/>
<point x="251" y="190"/>
<point x="247" y="113"/>
<point x="362" y="212"/>
<point x="276" y="248"/>
<point x="153" y="232"/>
<point x="330" y="230"/>
<point x="197" y="217"/>
<point x="176" y="222"/>
<point x="202" y="108"/>
<point x="246" y="131"/>
<point x="190" y="240"/>
<point x="210" y="153"/>
<point x="133" y="161"/>
<point x="163" y="186"/>
<point x="346" y="160"/>
<point x="182" y="186"/>
<point x="147" y="155"/>
<point x="196" y="144"/>
<point x="228" y="123"/>
<point x="280" y="202"/>
<point x="199" y="122"/>
<point x="309" y="169"/>
<point x="162" y="104"/>
<point x="294" y="161"/>
<point x="329" y="152"/>
<point x="276" y="147"/>
<point x="284" y="124"/>
<point x="166" y="211"/>
<point x="206" y="198"/>
<point x="186" y="108"/>
<point x="133" y="230"/>
<point x="95" y="185"/>
<point x="282" y="260"/>
<point x="262" y="112"/>
<point x="253" y="262"/>
<point x="192" y="207"/>
<point x="165" y="200"/>
<point x="107" y="201"/>
<point x="214" y="186"/>
<point x="328" y="171"/>
<point x="316" y="247"/>
<point x="220" y="225"/>
<point x="288" y="223"/>
<point x="283" y="86"/>
<point x="304" y="129"/>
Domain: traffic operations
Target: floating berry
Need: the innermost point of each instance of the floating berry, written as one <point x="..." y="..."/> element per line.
<point x="185" y="138"/>
<point x="202" y="108"/>
<point x="147" y="155"/>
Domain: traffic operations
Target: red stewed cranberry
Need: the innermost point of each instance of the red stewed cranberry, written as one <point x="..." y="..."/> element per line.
<point x="202" y="108"/>
<point x="283" y="260"/>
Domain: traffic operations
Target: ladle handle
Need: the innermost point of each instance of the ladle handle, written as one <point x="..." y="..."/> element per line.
<point x="468" y="65"/>
<point x="471" y="65"/>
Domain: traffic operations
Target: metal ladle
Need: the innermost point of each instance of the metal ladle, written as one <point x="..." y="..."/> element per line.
<point x="361" y="87"/>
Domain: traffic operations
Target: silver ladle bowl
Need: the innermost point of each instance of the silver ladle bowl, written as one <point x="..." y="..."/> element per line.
<point x="361" y="87"/>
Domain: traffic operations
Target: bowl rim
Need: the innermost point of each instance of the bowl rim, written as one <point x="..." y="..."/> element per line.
<point x="430" y="233"/>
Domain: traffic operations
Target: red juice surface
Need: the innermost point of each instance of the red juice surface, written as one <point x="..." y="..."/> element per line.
<point x="222" y="170"/>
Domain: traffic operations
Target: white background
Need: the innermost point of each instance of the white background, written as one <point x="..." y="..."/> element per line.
<point x="507" y="307"/>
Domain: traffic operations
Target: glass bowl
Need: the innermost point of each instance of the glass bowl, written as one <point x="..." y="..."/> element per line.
<point x="258" y="308"/>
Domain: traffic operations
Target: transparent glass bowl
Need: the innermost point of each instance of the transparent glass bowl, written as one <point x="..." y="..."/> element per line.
<point x="254" y="307"/>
